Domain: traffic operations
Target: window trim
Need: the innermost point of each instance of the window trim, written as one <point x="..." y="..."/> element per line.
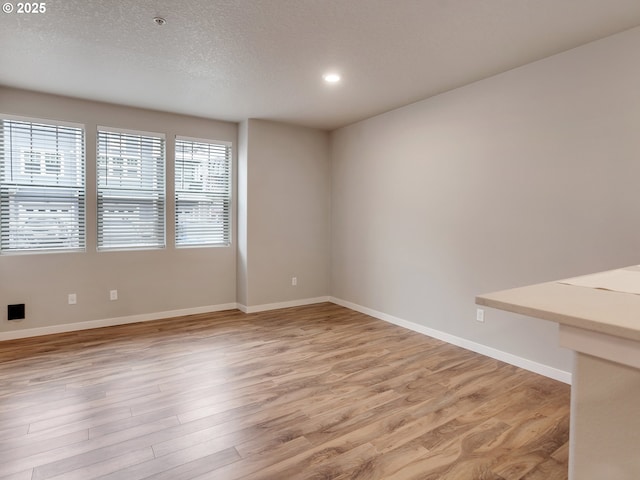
<point x="82" y="204"/>
<point x="229" y="232"/>
<point x="140" y="133"/>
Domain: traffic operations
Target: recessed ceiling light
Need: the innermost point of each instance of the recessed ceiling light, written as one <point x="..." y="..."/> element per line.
<point x="331" y="77"/>
<point x="159" y="21"/>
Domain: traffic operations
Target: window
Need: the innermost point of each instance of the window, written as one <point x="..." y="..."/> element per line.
<point x="42" y="186"/>
<point x="203" y="192"/>
<point x="131" y="192"/>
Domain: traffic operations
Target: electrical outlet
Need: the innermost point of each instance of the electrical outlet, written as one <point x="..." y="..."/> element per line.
<point x="294" y="281"/>
<point x="72" y="299"/>
<point x="113" y="294"/>
<point x="480" y="315"/>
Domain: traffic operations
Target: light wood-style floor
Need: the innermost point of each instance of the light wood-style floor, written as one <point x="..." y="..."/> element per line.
<point x="318" y="392"/>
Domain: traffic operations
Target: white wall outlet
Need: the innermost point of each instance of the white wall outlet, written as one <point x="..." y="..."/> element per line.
<point x="294" y="281"/>
<point x="72" y="299"/>
<point x="480" y="315"/>
<point x="113" y="294"/>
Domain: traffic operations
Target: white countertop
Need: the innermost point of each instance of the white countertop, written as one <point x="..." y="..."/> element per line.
<point x="598" y="310"/>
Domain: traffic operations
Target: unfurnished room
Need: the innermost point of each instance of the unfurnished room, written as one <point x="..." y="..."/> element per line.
<point x="319" y="239"/>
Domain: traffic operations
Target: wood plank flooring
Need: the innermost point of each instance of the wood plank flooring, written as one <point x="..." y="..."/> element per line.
<point x="318" y="392"/>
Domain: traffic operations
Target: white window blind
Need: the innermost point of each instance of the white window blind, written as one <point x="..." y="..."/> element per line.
<point x="203" y="192"/>
<point x="42" y="186"/>
<point x="131" y="190"/>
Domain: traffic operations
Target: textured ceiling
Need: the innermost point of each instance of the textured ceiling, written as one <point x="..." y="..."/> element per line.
<point x="238" y="59"/>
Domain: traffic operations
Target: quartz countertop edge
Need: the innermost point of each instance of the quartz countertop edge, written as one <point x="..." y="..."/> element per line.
<point x="602" y="311"/>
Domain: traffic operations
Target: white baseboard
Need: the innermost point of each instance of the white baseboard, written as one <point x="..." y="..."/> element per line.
<point x="109" y="322"/>
<point x="275" y="306"/>
<point x="506" y="357"/>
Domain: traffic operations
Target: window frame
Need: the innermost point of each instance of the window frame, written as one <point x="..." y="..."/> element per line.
<point x="162" y="183"/>
<point x="226" y="196"/>
<point x="76" y="192"/>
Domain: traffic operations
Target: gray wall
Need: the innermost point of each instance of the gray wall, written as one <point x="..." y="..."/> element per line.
<point x="147" y="281"/>
<point x="243" y="194"/>
<point x="521" y="178"/>
<point x="286" y="170"/>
